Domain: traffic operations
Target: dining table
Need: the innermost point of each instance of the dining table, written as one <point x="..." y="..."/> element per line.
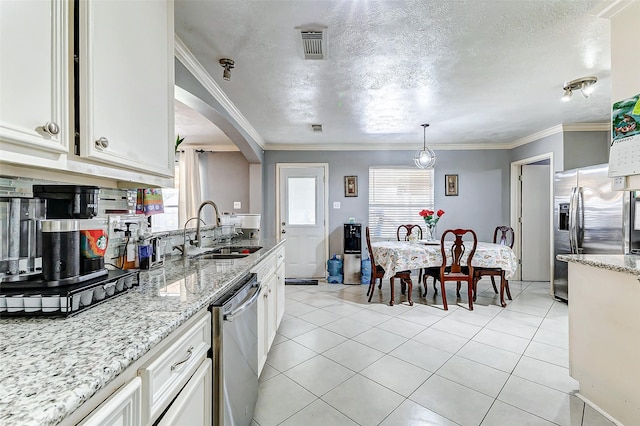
<point x="396" y="256"/>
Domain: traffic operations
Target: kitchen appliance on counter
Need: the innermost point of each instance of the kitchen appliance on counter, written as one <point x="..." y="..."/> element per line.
<point x="235" y="353"/>
<point x="20" y="237"/>
<point x="249" y="224"/>
<point x="589" y="218"/>
<point x="52" y="253"/>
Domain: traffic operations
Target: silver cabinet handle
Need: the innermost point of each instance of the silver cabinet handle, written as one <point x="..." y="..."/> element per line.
<point x="102" y="143"/>
<point x="179" y="363"/>
<point x="51" y="128"/>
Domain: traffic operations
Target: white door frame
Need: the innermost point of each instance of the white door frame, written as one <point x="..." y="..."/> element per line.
<point x="325" y="166"/>
<point x="516" y="205"/>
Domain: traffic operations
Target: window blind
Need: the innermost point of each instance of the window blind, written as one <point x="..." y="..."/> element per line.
<point x="396" y="196"/>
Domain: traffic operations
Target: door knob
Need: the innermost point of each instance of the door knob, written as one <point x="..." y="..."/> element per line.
<point x="102" y="143"/>
<point x="51" y="128"/>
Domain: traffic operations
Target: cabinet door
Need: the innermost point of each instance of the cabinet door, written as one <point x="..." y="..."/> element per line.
<point x="126" y="84"/>
<point x="272" y="311"/>
<point x="280" y="294"/>
<point x="122" y="408"/>
<point x="263" y="318"/>
<point x="34" y="77"/>
<point x="193" y="405"/>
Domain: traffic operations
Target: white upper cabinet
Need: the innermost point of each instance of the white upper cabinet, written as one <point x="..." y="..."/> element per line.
<point x="126" y="84"/>
<point x="34" y="79"/>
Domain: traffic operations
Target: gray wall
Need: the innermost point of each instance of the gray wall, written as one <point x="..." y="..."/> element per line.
<point x="553" y="143"/>
<point x="585" y="149"/>
<point x="570" y="149"/>
<point x="224" y="179"/>
<point x="482" y="203"/>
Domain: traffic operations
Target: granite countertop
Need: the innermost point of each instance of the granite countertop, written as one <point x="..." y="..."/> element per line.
<point x="50" y="366"/>
<point x="627" y="263"/>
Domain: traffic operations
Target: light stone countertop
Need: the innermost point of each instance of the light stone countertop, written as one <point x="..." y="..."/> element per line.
<point x="626" y="263"/>
<point x="50" y="366"/>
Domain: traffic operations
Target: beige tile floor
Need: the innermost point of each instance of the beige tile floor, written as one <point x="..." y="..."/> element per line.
<point x="339" y="360"/>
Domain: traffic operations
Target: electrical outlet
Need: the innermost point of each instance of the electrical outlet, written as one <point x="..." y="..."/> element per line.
<point x="237" y="205"/>
<point x="336" y="204"/>
<point x="619" y="182"/>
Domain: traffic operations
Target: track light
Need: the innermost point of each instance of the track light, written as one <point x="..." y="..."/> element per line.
<point x="227" y="64"/>
<point x="584" y="84"/>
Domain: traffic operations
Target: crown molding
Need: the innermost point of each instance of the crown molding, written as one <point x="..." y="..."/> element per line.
<point x="587" y="127"/>
<point x="378" y="147"/>
<point x="578" y="127"/>
<point x="184" y="55"/>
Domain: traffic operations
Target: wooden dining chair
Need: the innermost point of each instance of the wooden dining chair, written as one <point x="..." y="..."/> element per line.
<point x="503" y="235"/>
<point x="452" y="268"/>
<point x="377" y="272"/>
<point x="404" y="233"/>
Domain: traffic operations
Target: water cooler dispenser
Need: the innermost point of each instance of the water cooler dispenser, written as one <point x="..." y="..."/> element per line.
<point x="352" y="252"/>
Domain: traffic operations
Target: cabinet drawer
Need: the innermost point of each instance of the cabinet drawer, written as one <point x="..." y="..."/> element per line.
<point x="164" y="376"/>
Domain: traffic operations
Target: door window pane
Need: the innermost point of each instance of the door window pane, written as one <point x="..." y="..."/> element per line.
<point x="302" y="200"/>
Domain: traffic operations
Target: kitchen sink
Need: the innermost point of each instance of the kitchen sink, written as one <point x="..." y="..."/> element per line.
<point x="236" y="249"/>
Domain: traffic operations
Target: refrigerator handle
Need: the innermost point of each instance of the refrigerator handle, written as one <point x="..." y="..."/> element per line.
<point x="573" y="247"/>
<point x="579" y="220"/>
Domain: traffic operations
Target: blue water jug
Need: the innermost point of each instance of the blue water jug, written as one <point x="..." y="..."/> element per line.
<point x="334" y="266"/>
<point x="366" y="271"/>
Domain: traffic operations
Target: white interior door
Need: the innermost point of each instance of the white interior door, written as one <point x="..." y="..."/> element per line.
<point x="301" y="218"/>
<point x="535" y="237"/>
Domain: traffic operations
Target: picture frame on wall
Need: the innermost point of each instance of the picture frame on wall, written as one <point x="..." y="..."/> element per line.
<point x="451" y="185"/>
<point x="351" y="186"/>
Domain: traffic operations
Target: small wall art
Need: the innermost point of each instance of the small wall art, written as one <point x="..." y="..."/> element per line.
<point x="351" y="186"/>
<point x="451" y="184"/>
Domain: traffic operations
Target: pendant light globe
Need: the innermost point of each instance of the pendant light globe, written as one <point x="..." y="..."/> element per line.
<point x="425" y="158"/>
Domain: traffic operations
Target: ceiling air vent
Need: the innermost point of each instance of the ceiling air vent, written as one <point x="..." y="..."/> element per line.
<point x="316" y="128"/>
<point x="314" y="42"/>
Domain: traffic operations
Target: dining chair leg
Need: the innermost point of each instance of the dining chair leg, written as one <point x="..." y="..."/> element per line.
<point x="494" y="284"/>
<point x="372" y="286"/>
<point x="409" y="291"/>
<point x="392" y="292"/>
<point x="470" y="292"/>
<point x="444" y="295"/>
<point x="502" y="302"/>
<point x="506" y="285"/>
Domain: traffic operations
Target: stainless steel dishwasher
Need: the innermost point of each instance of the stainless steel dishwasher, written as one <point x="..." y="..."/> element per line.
<point x="235" y="353"/>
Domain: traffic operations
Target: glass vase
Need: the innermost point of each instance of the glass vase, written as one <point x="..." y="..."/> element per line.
<point x="431" y="232"/>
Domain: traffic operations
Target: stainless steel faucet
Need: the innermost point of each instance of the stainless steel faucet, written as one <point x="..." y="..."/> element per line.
<point x="197" y="242"/>
<point x="183" y="247"/>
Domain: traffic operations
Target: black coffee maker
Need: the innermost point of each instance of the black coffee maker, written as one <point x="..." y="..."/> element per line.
<point x="76" y="243"/>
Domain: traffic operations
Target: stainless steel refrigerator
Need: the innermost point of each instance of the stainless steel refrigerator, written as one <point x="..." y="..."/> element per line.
<point x="589" y="218"/>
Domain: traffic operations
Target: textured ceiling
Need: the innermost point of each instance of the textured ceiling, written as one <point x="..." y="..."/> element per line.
<point x="480" y="72"/>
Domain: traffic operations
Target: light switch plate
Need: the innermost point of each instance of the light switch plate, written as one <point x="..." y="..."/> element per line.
<point x="237" y="205"/>
<point x="619" y="182"/>
<point x="336" y="204"/>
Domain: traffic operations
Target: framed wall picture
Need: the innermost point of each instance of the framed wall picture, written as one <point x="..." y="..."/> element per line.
<point x="351" y="186"/>
<point x="451" y="184"/>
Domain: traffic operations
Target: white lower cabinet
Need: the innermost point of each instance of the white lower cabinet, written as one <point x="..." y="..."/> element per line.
<point x="271" y="302"/>
<point x="166" y="374"/>
<point x="122" y="408"/>
<point x="193" y="404"/>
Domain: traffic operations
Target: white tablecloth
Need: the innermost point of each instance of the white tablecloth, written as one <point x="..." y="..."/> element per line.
<point x="396" y="256"/>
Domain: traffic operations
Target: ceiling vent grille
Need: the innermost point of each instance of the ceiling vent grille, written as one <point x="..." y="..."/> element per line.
<point x="316" y="128"/>
<point x="314" y="42"/>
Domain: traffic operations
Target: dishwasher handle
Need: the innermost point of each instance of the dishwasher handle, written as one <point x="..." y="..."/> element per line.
<point x="244" y="306"/>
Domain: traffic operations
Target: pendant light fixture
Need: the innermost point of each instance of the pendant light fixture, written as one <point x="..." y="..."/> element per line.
<point x="425" y="158"/>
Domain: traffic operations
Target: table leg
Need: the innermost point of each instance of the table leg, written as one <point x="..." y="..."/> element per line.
<point x="502" y="302"/>
<point x="392" y="292"/>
